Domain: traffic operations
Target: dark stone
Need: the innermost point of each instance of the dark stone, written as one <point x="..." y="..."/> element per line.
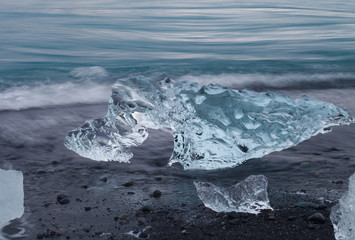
<point x="40" y="236"/>
<point x="321" y="206"/>
<point x="306" y="205"/>
<point x="291" y="218"/>
<point x="128" y="184"/>
<point x="104" y="179"/>
<point x="123" y="216"/>
<point x="143" y="235"/>
<point x="317" y="218"/>
<point x="156" y="194"/>
<point x="141" y="221"/>
<point x="146" y="208"/>
<point x="87" y="209"/>
<point x="63" y="199"/>
<point x="61" y="196"/>
<point x="232" y="215"/>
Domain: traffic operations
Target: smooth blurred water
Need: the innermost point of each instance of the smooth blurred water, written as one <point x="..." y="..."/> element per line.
<point x="312" y="41"/>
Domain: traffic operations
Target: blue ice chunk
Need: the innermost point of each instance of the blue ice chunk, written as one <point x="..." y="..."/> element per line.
<point x="343" y="214"/>
<point x="214" y="127"/>
<point x="248" y="196"/>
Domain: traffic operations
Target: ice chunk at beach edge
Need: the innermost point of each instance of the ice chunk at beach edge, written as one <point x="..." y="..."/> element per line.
<point x="343" y="214"/>
<point x="213" y="127"/>
<point x="11" y="196"/>
<point x="247" y="196"/>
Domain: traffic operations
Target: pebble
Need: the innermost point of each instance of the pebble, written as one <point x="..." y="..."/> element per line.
<point x="146" y="208"/>
<point x="41" y="171"/>
<point x="104" y="179"/>
<point x="147" y="228"/>
<point x="317" y="218"/>
<point x="232" y="215"/>
<point x="156" y="194"/>
<point x="185" y="232"/>
<point x="87" y="209"/>
<point x="313" y="226"/>
<point x="123" y="217"/>
<point x="143" y="235"/>
<point x="141" y="221"/>
<point x="128" y="184"/>
<point x="321" y="206"/>
<point x="63" y="199"/>
<point x="291" y="218"/>
<point x="305" y="204"/>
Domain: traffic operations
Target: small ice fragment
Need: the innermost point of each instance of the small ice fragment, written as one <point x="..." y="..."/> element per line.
<point x="343" y="214"/>
<point x="248" y="196"/>
<point x="11" y="196"/>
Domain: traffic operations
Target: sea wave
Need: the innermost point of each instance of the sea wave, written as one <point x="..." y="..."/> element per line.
<point x="89" y="72"/>
<point x="90" y="88"/>
<point x="275" y="81"/>
<point x="45" y="95"/>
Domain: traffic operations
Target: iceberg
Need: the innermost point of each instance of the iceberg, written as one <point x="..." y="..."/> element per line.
<point x="213" y="127"/>
<point x="11" y="196"/>
<point x="248" y="196"/>
<point x="343" y="214"/>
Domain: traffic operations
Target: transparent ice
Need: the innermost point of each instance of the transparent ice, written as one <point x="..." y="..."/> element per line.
<point x="248" y="196"/>
<point x="11" y="196"/>
<point x="214" y="127"/>
<point x="343" y="214"/>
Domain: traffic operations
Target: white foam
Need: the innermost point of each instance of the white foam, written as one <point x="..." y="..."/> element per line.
<point x="89" y="72"/>
<point x="44" y="95"/>
<point x="289" y="80"/>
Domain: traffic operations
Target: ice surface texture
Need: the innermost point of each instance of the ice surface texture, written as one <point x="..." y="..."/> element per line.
<point x="11" y="196"/>
<point x="343" y="214"/>
<point x="249" y="196"/>
<point x="213" y="126"/>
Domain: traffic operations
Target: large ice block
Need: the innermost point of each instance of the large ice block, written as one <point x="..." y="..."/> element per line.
<point x="249" y="196"/>
<point x="11" y="196"/>
<point x="343" y="214"/>
<point x="213" y="126"/>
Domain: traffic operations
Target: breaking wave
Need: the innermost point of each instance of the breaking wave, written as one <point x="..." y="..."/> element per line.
<point x="44" y="95"/>
<point x="275" y="81"/>
<point x="89" y="85"/>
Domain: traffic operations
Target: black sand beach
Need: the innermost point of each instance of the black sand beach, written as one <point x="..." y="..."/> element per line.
<point x="70" y="197"/>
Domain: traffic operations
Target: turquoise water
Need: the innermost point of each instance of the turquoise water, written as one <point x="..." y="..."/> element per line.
<point x="254" y="44"/>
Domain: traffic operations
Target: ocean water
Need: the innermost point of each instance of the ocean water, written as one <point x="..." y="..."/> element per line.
<point x="59" y="59"/>
<point x="255" y="44"/>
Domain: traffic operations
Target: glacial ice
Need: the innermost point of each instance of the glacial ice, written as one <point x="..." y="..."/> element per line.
<point x="11" y="196"/>
<point x="214" y="127"/>
<point x="343" y="214"/>
<point x="248" y="196"/>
